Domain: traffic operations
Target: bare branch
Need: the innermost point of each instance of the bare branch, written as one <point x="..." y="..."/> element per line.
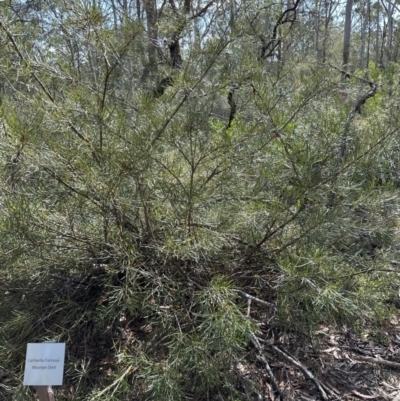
<point x="203" y="10"/>
<point x="258" y="300"/>
<point x="261" y="356"/>
<point x="268" y="48"/>
<point x="304" y="370"/>
<point x="379" y="361"/>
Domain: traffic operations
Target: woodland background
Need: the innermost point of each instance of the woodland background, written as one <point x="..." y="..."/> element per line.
<point x="191" y="192"/>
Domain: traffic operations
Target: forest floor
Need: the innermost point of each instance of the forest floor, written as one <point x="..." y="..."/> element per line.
<point x="280" y="364"/>
<point x="345" y="365"/>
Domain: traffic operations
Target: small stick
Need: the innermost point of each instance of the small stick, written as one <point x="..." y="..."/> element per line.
<point x="258" y="300"/>
<point x="257" y="344"/>
<point x="376" y="360"/>
<point x="304" y="370"/>
<point x="248" y="307"/>
<point x="272" y="377"/>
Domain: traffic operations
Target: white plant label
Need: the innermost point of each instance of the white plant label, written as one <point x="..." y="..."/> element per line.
<point x="44" y="364"/>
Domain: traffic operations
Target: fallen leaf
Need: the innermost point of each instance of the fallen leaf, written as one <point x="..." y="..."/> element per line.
<point x="271" y="393"/>
<point x="327" y="350"/>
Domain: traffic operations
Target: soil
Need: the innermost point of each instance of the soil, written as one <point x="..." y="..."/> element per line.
<point x="345" y="366"/>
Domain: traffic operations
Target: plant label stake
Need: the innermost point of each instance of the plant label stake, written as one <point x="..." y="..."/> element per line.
<point x="44" y="367"/>
<point x="45" y="393"/>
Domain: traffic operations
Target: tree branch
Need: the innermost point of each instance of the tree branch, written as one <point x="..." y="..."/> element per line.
<point x="258" y="300"/>
<point x="232" y="104"/>
<point x="203" y="10"/>
<point x="304" y="370"/>
<point x="267" y="49"/>
<point x="261" y="356"/>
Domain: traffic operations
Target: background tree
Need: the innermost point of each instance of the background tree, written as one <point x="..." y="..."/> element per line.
<point x="347" y="35"/>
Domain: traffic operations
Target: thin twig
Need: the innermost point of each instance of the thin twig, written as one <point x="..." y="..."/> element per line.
<point x="261" y="356"/>
<point x="349" y="74"/>
<point x="202" y="11"/>
<point x="379" y="361"/>
<point x="304" y="370"/>
<point x="258" y="300"/>
<point x="165" y="125"/>
<point x="270" y="233"/>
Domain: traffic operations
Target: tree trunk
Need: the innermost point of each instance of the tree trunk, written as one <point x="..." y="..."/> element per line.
<point x="125" y="7"/>
<point x="152" y="34"/>
<point x="364" y="35"/>
<point x="138" y="10"/>
<point x="316" y="30"/>
<point x="389" y="42"/>
<point x="347" y="37"/>
<point x="329" y="8"/>
<point x="369" y="31"/>
<point x="377" y="35"/>
<point x="114" y="10"/>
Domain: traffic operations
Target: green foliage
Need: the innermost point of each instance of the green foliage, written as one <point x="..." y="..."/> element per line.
<point x="133" y="221"/>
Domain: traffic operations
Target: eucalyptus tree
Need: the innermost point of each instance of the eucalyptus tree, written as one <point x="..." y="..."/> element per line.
<point x="389" y="23"/>
<point x="365" y="14"/>
<point x="324" y="15"/>
<point x="347" y="35"/>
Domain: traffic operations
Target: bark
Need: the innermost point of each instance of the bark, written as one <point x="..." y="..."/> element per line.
<point x="389" y="31"/>
<point x="330" y="7"/>
<point x="285" y="45"/>
<point x="369" y="32"/>
<point x="232" y="105"/>
<point x="364" y="34"/>
<point x="175" y="53"/>
<point x="316" y="30"/>
<point x="174" y="44"/>
<point x="152" y="32"/>
<point x="138" y="10"/>
<point x="114" y="10"/>
<point x="287" y="16"/>
<point x="377" y="35"/>
<point x="186" y="6"/>
<point x="347" y="37"/>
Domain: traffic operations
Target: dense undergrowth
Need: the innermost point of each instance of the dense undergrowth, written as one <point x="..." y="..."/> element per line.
<point x="136" y="224"/>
